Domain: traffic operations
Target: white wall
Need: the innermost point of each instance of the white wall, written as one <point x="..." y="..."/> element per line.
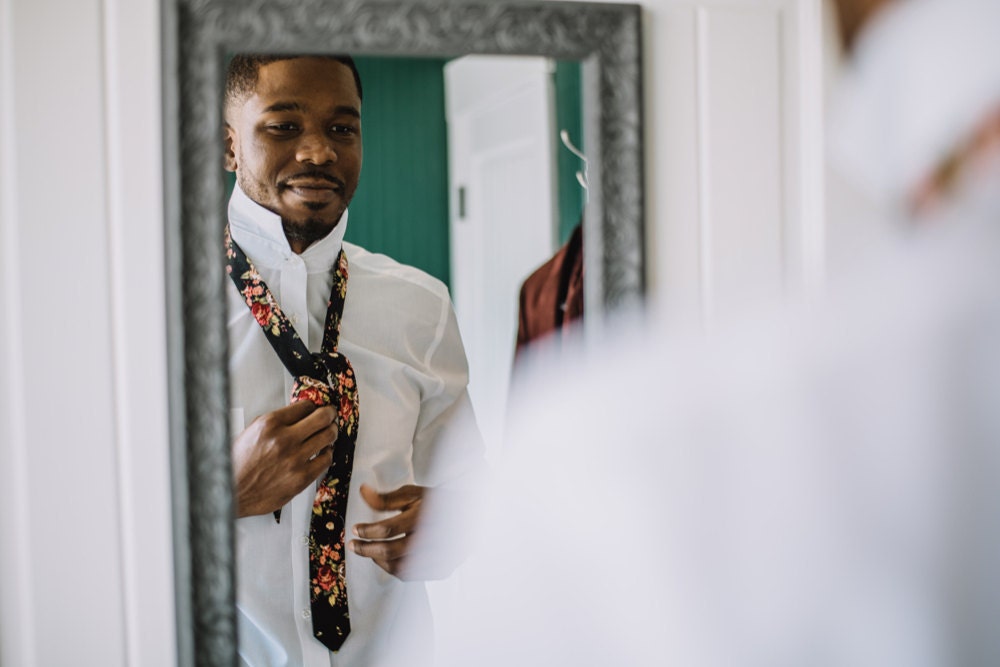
<point x="85" y="559"/>
<point x="734" y="194"/>
<point x="734" y="140"/>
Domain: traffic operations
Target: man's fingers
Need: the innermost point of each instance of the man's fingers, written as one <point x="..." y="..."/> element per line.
<point x="388" y="542"/>
<point x="318" y="466"/>
<point x="294" y="412"/>
<point x="398" y="499"/>
<point x="401" y="524"/>
<point x="320" y="440"/>
<point x="387" y="551"/>
<point x="390" y="538"/>
<point x="315" y="423"/>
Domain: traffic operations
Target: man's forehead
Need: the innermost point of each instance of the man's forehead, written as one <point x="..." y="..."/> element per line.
<point x="299" y="78"/>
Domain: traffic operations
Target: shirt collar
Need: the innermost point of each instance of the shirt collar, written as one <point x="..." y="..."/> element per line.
<point x="259" y="233"/>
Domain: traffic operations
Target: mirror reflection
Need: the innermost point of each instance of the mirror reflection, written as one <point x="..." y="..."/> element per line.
<point x="350" y="400"/>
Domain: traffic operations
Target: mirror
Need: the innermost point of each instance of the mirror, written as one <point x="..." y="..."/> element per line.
<point x="199" y="34"/>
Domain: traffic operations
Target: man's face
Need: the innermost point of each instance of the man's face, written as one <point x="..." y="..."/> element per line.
<point x="295" y="144"/>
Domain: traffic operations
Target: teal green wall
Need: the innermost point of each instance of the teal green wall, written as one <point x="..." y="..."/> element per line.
<point x="401" y="205"/>
<point x="569" y="117"/>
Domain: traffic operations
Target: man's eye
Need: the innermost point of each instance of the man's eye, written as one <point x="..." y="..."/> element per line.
<point x="282" y="127"/>
<point x="343" y="129"/>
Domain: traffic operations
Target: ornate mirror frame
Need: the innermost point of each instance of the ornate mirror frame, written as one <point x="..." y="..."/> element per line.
<point x="197" y="36"/>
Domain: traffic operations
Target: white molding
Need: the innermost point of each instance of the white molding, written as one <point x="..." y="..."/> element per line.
<point x="800" y="151"/>
<point x="705" y="240"/>
<point x="812" y="142"/>
<point x="17" y="611"/>
<point x="136" y="250"/>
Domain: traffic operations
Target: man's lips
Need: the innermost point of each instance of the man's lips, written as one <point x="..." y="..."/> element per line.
<point x="315" y="189"/>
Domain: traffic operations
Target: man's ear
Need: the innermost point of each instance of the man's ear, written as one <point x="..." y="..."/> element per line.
<point x="230" y="142"/>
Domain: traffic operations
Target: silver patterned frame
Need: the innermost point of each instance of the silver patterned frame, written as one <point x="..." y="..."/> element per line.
<point x="197" y="36"/>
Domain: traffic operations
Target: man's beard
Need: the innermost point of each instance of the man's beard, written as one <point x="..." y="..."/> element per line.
<point x="307" y="231"/>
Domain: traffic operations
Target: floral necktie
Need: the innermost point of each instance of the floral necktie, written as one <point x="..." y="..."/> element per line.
<point x="326" y="378"/>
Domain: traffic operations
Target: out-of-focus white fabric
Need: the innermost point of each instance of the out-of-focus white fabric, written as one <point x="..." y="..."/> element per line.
<point x="923" y="74"/>
<point x="816" y="486"/>
<point x="820" y="488"/>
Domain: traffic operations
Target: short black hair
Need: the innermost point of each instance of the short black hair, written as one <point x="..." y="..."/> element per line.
<point x="243" y="70"/>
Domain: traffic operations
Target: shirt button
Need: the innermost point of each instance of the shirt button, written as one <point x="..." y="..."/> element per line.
<point x="305" y="540"/>
<point x="306" y="613"/>
<point x="294" y="319"/>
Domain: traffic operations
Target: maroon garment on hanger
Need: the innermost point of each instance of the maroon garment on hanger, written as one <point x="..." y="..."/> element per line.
<point x="552" y="296"/>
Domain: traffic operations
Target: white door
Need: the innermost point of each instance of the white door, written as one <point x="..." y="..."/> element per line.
<point x="501" y="152"/>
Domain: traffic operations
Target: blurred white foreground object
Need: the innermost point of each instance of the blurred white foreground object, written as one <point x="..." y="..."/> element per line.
<point x="811" y="488"/>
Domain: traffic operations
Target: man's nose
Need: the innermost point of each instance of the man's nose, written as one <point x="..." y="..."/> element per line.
<point x="316" y="148"/>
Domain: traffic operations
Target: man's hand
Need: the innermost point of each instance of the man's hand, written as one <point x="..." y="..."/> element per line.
<point x="389" y="542"/>
<point x="281" y="453"/>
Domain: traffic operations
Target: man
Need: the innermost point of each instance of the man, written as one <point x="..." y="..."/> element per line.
<point x="293" y="138"/>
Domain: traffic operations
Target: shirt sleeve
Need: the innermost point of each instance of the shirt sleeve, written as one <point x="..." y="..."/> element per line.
<point x="447" y="445"/>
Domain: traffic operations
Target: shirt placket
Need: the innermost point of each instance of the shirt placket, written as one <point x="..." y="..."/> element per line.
<point x="293" y="302"/>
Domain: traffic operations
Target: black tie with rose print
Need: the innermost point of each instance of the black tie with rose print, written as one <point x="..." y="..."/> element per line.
<point x="325" y="378"/>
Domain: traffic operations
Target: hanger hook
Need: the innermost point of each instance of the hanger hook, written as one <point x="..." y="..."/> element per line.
<point x="581" y="177"/>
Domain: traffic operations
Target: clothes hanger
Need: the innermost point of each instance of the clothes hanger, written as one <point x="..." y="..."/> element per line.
<point x="581" y="176"/>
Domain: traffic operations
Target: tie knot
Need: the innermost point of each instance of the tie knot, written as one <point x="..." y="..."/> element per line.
<point x="306" y="388"/>
<point x="345" y="390"/>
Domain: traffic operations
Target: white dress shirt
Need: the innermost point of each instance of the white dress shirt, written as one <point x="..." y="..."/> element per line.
<point x="400" y="334"/>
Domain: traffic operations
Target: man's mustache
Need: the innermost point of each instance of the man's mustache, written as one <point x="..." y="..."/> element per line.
<point x="314" y="175"/>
